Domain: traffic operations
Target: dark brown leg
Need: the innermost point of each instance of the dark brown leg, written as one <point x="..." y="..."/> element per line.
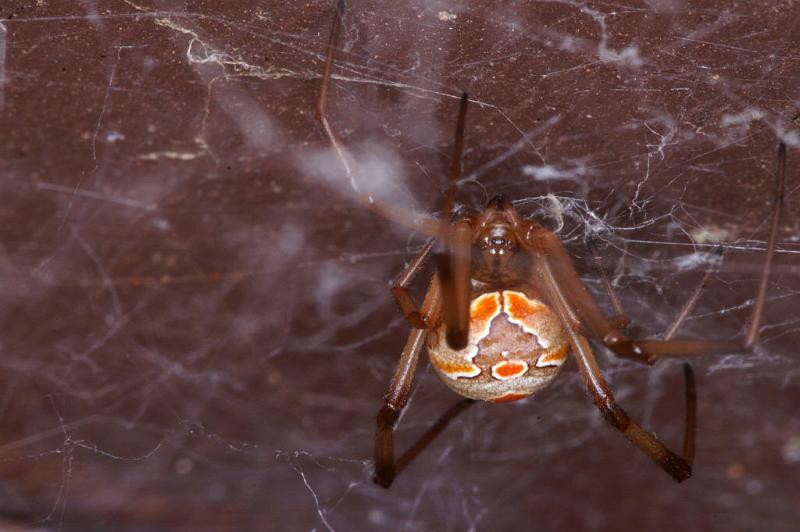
<point x="559" y="279"/>
<point x="453" y="267"/>
<point x="400" y="288"/>
<point x="621" y="320"/>
<point x="417" y="221"/>
<point x="584" y="313"/>
<point x="396" y="397"/>
<point x="394" y="402"/>
<point x="385" y="475"/>
<point x="676" y="466"/>
<point x="679" y="468"/>
<point x="670" y="462"/>
<point x="688" y="374"/>
<point x="453" y="251"/>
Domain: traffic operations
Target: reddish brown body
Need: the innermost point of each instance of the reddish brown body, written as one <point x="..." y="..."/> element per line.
<point x="516" y="346"/>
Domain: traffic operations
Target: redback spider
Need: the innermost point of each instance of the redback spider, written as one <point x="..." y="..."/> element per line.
<point x="506" y="307"/>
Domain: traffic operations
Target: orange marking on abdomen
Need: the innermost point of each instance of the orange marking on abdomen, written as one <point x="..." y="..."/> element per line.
<point x="553" y="359"/>
<point x="455" y="371"/>
<point x="509" y="369"/>
<point x="520" y="307"/>
<point x="485" y="307"/>
<point x="507" y="398"/>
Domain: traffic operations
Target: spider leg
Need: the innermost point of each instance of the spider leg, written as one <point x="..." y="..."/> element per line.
<point x="689" y="305"/>
<point x="419" y="222"/>
<point x="777" y="207"/>
<point x="430" y="435"/>
<point x="393" y="404"/>
<point x="453" y="248"/>
<point x="386" y="468"/>
<point x="688" y="375"/>
<point x="453" y="268"/>
<point x="453" y="260"/>
<point x="400" y="288"/>
<point x="584" y="313"/>
<point x="621" y="320"/>
<point x="676" y="466"/>
<point x="653" y="349"/>
<point x="636" y="350"/>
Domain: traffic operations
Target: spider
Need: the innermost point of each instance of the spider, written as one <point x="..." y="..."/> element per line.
<point x="506" y="307"/>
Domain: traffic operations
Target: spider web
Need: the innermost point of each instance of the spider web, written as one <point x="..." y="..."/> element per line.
<point x="196" y="324"/>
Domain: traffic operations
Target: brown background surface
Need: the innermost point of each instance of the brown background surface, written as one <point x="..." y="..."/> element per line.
<point x="195" y="323"/>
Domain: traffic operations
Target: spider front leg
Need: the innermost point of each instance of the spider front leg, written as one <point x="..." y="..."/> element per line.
<point x="453" y="262"/>
<point x="413" y="220"/>
<point x="453" y="247"/>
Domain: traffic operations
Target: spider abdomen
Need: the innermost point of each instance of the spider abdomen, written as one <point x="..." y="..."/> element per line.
<point x="516" y="346"/>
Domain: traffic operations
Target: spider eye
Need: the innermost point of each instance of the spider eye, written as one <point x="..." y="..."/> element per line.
<point x="498" y="239"/>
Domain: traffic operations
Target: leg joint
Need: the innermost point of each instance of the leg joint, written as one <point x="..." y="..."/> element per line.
<point x="614" y="415"/>
<point x="387" y="416"/>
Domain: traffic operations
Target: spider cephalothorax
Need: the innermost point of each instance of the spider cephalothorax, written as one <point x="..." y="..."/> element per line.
<point x="496" y="256"/>
<point x="506" y="307"/>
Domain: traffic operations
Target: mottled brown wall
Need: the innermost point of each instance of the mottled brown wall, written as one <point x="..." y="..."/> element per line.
<point x="195" y="325"/>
